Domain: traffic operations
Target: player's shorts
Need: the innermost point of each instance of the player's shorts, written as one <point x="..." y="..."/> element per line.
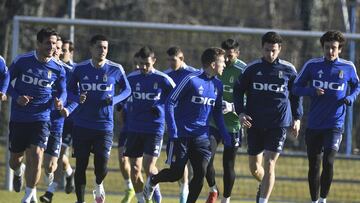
<point x="54" y="144"/>
<point x="318" y="140"/>
<point x="184" y="148"/>
<point x="236" y="138"/>
<point x="260" y="139"/>
<point x="122" y="138"/>
<point x="66" y="135"/>
<point x="138" y="144"/>
<point x="22" y="135"/>
<point x="86" y="141"/>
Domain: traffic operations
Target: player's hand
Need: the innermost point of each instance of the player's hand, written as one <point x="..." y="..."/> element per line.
<point x="82" y="98"/>
<point x="245" y="120"/>
<point x="155" y="111"/>
<point x="108" y="100"/>
<point x="3" y="96"/>
<point x="24" y="100"/>
<point x="64" y="112"/>
<point x="347" y="102"/>
<point x="320" y="91"/>
<point x="296" y="128"/>
<point x="227" y="107"/>
<point x="58" y="104"/>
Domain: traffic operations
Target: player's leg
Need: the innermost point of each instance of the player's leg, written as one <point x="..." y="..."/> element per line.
<point x="229" y="156"/>
<point x="152" y="151"/>
<point x="210" y="172"/>
<point x="125" y="169"/>
<point x="314" y="142"/>
<point x="82" y="146"/>
<point x="64" y="162"/>
<point x="184" y="185"/>
<point x="101" y="147"/>
<point x="199" y="155"/>
<point x="332" y="142"/>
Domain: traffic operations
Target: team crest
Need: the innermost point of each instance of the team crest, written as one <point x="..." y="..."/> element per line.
<point x="97" y="77"/>
<point x="281" y="74"/>
<point x="155" y="86"/>
<point x="231" y="80"/>
<point x="137" y="87"/>
<point x="201" y="90"/>
<point x="105" y="78"/>
<point x="341" y="74"/>
<point x="49" y="74"/>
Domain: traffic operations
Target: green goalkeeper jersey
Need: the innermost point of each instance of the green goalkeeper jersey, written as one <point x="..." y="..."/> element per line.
<point x="228" y="78"/>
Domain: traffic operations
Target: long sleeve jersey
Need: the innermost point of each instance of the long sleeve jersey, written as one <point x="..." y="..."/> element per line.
<point x="4" y="76"/>
<point x="178" y="75"/>
<point x="36" y="79"/>
<point x="197" y="97"/>
<point x="98" y="84"/>
<point x="269" y="101"/>
<point x="334" y="77"/>
<point x="229" y="76"/>
<point x="145" y="107"/>
<point x="57" y="121"/>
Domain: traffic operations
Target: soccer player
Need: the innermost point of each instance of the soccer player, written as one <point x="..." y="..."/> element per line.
<point x="53" y="148"/>
<point x="270" y="110"/>
<point x="4" y="79"/>
<point x="197" y="97"/>
<point x="92" y="86"/>
<point x="177" y="71"/>
<point x="146" y="118"/>
<point x="37" y="73"/>
<point x="234" y="67"/>
<point x="124" y="161"/>
<point x="326" y="80"/>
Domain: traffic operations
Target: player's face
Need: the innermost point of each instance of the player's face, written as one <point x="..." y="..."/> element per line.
<point x="219" y="65"/>
<point x="331" y="50"/>
<point x="146" y="64"/>
<point x="58" y="50"/>
<point x="99" y="50"/>
<point x="271" y="51"/>
<point x="47" y="47"/>
<point x="66" y="53"/>
<point x="231" y="55"/>
<point x="175" y="62"/>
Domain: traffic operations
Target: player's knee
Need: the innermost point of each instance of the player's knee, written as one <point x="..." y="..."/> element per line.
<point x="14" y="163"/>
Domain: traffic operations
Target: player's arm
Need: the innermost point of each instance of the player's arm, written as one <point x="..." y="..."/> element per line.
<point x="4" y="77"/>
<point x="296" y="107"/>
<point x="301" y="87"/>
<point x="60" y="85"/>
<point x="354" y="87"/>
<point x="125" y="87"/>
<point x="219" y="118"/>
<point x="73" y="92"/>
<point x="175" y="95"/>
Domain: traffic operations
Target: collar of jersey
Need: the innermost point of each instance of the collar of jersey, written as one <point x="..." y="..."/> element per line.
<point x="37" y="58"/>
<point x="100" y="66"/>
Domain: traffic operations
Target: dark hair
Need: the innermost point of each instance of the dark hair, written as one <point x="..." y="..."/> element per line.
<point x="45" y="33"/>
<point x="333" y="35"/>
<point x="230" y="44"/>
<point x="136" y="55"/>
<point x="71" y="44"/>
<point x="96" y="38"/>
<point x="174" y="51"/>
<point x="272" y="38"/>
<point x="146" y="52"/>
<point x="211" y="55"/>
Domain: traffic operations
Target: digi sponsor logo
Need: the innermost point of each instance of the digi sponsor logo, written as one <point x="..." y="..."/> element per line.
<point x="269" y="87"/>
<point x="36" y="81"/>
<point x="203" y="100"/>
<point x="328" y="85"/>
<point x="96" y="87"/>
<point x="146" y="96"/>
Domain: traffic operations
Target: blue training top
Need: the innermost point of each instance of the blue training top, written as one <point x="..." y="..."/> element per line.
<point x="334" y="77"/>
<point x="269" y="101"/>
<point x="36" y="79"/>
<point x="4" y="76"/>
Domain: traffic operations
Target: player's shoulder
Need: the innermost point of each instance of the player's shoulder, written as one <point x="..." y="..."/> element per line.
<point x="253" y="64"/>
<point x="346" y="62"/>
<point x="191" y="76"/>
<point x="165" y="77"/>
<point x="314" y="61"/>
<point x="168" y="70"/>
<point x="64" y="65"/>
<point x="287" y="64"/>
<point x="83" y="63"/>
<point x="114" y="64"/>
<point x="239" y="64"/>
<point x="2" y="60"/>
<point x="26" y="55"/>
<point x="190" y="68"/>
<point x="134" y="73"/>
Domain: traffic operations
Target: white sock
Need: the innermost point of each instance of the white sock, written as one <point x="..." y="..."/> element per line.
<point x="315" y="201"/>
<point x="129" y="184"/>
<point x="99" y="188"/>
<point x="52" y="187"/>
<point x="49" y="178"/>
<point x="184" y="188"/>
<point x="20" y="171"/>
<point x="263" y="200"/>
<point x="140" y="197"/>
<point x="225" y="200"/>
<point x="28" y="194"/>
<point x="68" y="171"/>
<point x="213" y="189"/>
<point x="322" y="200"/>
<point x="34" y="196"/>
